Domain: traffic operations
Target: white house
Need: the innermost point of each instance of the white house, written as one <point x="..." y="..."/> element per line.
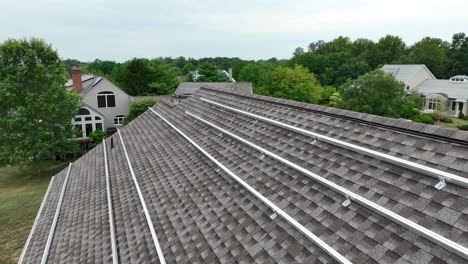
<point x="105" y="105"/>
<point x="448" y="96"/>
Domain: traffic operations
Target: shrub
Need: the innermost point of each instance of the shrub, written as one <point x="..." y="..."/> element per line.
<point x="95" y="138"/>
<point x="137" y="108"/>
<point x="465" y="117"/>
<point x="464" y="127"/>
<point x="423" y="118"/>
<point x="461" y="115"/>
<point x="438" y="116"/>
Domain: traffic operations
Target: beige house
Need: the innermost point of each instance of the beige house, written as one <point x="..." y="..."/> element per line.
<point x="105" y="105"/>
<point x="448" y="96"/>
<point x="410" y="74"/>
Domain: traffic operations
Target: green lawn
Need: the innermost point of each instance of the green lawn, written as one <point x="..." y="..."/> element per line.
<point x="456" y="122"/>
<point x="21" y="192"/>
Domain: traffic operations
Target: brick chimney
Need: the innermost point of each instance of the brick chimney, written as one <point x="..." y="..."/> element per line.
<point x="76" y="78"/>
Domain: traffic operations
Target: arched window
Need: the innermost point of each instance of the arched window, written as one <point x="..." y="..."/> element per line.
<point x="118" y="120"/>
<point x="83" y="111"/>
<point x="106" y="99"/>
<point x="84" y="123"/>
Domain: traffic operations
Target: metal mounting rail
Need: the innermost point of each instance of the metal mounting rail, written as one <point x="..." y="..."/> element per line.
<point x="332" y="252"/>
<point x="35" y="221"/>
<point x="162" y="260"/>
<point x="449" y="177"/>
<point x="45" y="254"/>
<point x="115" y="258"/>
<point x="438" y="239"/>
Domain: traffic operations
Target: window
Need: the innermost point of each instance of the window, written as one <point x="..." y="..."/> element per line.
<point x="454" y="106"/>
<point x="106" y="99"/>
<point x="86" y="122"/>
<point x="89" y="129"/>
<point x="460" y="106"/>
<point x="118" y="120"/>
<point x="83" y="111"/>
<point x="407" y="88"/>
<point x="433" y="104"/>
<point x="99" y="126"/>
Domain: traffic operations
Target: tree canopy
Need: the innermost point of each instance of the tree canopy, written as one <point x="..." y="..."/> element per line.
<point x="137" y="108"/>
<point x="376" y="93"/>
<point x="35" y="109"/>
<point x="295" y="83"/>
<point x="209" y="73"/>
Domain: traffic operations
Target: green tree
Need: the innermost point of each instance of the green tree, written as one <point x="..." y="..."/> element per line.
<point x="296" y="84"/>
<point x="389" y="49"/>
<point x="209" y="73"/>
<point x="188" y="67"/>
<point x="137" y="108"/>
<point x="258" y="73"/>
<point x="429" y="51"/>
<point x="458" y="55"/>
<point x="137" y="77"/>
<point x="374" y="93"/>
<point x="164" y="78"/>
<point x="95" y="138"/>
<point x="35" y="109"/>
<point x="102" y="68"/>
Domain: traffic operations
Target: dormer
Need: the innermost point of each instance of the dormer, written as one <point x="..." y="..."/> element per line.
<point x="459" y="78"/>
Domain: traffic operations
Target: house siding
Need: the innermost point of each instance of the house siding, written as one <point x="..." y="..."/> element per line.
<point x="420" y="76"/>
<point x="122" y="101"/>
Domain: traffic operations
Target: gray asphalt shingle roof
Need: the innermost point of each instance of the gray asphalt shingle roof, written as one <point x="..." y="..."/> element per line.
<point x="202" y="215"/>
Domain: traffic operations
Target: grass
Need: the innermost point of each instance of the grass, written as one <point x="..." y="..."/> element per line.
<point x="21" y="192"/>
<point x="456" y="122"/>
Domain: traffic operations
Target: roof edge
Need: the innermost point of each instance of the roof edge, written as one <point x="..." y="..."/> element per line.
<point x="402" y="125"/>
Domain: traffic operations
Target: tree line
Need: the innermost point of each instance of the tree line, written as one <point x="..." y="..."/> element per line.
<point x="332" y="63"/>
<point x="35" y="109"/>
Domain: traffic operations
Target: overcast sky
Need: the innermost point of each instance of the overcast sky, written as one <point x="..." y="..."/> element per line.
<point x="249" y="29"/>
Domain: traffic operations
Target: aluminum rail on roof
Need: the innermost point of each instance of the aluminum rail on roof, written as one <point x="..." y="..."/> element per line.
<point x="332" y="252"/>
<point x="45" y="254"/>
<point x="385" y="157"/>
<point x="25" y="248"/>
<point x="162" y="260"/>
<point x="438" y="239"/>
<point x="115" y="258"/>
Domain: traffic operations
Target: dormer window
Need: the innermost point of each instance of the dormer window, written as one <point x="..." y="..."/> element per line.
<point x="106" y="99"/>
<point x="459" y="78"/>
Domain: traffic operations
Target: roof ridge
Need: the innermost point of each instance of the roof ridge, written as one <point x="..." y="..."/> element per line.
<point x="401" y="125"/>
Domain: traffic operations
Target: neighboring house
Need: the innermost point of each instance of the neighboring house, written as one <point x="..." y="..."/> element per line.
<point x="447" y="96"/>
<point x="105" y="105"/>
<point x="188" y="88"/>
<point x="242" y="178"/>
<point x="411" y="75"/>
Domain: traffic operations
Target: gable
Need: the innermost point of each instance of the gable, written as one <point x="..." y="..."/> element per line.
<point x="406" y="72"/>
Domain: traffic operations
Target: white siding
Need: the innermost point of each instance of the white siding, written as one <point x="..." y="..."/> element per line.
<point x="122" y="101"/>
